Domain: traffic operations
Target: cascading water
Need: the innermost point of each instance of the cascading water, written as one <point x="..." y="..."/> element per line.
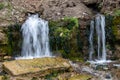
<point x="91" y="40"/>
<point x="100" y="29"/>
<point x="99" y="25"/>
<point x="35" y="38"/>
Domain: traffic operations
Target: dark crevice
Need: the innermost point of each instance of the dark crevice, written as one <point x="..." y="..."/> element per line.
<point x="95" y="7"/>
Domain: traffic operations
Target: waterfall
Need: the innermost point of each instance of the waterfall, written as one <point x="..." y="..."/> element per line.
<point x="99" y="23"/>
<point x="35" y="33"/>
<point x="91" y="40"/>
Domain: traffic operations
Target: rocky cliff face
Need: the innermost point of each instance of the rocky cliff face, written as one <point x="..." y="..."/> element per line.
<point x="16" y="11"/>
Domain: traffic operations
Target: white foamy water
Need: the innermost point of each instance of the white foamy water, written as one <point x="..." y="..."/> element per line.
<point x="99" y="25"/>
<point x="91" y="40"/>
<point x="35" y="33"/>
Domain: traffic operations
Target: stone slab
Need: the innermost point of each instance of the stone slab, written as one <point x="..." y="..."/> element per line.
<point x="32" y="66"/>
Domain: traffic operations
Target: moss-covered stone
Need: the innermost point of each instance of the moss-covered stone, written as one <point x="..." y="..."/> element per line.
<point x="64" y="37"/>
<point x="81" y="77"/>
<point x="36" y="67"/>
<point x="116" y="12"/>
<point x="116" y="26"/>
<point x="1" y="6"/>
<point x="2" y="78"/>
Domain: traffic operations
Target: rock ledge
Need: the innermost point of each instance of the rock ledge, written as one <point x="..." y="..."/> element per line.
<point x="39" y="66"/>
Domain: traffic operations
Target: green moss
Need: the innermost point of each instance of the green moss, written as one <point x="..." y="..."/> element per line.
<point x="14" y="40"/>
<point x="9" y="6"/>
<point x="115" y="30"/>
<point x="5" y="49"/>
<point x="115" y="27"/>
<point x="117" y="12"/>
<point x="1" y="6"/>
<point x="71" y="22"/>
<point x="62" y="32"/>
<point x="64" y="37"/>
<point x="81" y="77"/>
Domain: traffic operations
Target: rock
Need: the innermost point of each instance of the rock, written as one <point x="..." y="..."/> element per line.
<point x="14" y="11"/>
<point x="81" y="77"/>
<point x="66" y="8"/>
<point x="108" y="76"/>
<point x="2" y="78"/>
<point x="109" y="6"/>
<point x="117" y="52"/>
<point x="39" y="66"/>
<point x="3" y="37"/>
<point x="87" y="2"/>
<point x="116" y="27"/>
<point x="116" y="66"/>
<point x="116" y="73"/>
<point x="7" y="58"/>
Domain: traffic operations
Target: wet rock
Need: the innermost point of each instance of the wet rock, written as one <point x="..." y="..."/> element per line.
<point x="116" y="66"/>
<point x="108" y="76"/>
<point x="40" y="66"/>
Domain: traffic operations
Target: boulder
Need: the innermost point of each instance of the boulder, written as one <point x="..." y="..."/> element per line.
<point x="39" y="66"/>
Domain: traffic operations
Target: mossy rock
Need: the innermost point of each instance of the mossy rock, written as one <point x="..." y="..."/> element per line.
<point x="116" y="27"/>
<point x="81" y="77"/>
<point x="64" y="35"/>
<point x="36" y="67"/>
<point x="2" y="78"/>
<point x="2" y="6"/>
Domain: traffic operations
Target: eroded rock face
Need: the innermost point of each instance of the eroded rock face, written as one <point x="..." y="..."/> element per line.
<point x="15" y="11"/>
<point x="56" y="9"/>
<point x="109" y="6"/>
<point x="41" y="66"/>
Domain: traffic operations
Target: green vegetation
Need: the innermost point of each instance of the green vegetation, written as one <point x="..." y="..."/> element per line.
<point x="110" y="33"/>
<point x="54" y="74"/>
<point x="113" y="31"/>
<point x="1" y="6"/>
<point x="14" y="40"/>
<point x="81" y="77"/>
<point x="64" y="37"/>
<point x="117" y="12"/>
<point x="116" y="22"/>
